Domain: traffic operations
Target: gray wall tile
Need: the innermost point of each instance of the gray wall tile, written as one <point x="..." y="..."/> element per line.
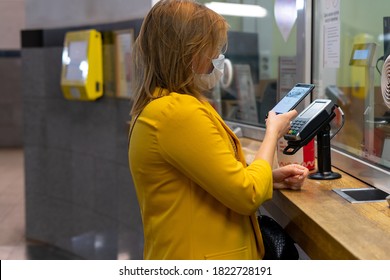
<point x="10" y="102"/>
<point x="79" y="191"/>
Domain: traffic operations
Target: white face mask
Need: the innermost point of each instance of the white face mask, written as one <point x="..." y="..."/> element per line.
<point x="208" y="81"/>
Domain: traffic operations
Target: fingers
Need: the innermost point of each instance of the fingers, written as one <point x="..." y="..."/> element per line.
<point x="294" y="183"/>
<point x="290" y="176"/>
<point x="297" y="177"/>
<point x="292" y="114"/>
<point x="280" y="123"/>
<point x="271" y="113"/>
<point x="288" y="117"/>
<point x="297" y="169"/>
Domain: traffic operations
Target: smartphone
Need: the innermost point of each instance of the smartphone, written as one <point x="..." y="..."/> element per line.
<point x="293" y="98"/>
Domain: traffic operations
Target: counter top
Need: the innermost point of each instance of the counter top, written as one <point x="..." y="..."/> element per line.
<point x="325" y="225"/>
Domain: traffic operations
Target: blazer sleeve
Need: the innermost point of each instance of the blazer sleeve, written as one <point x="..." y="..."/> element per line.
<point x="191" y="140"/>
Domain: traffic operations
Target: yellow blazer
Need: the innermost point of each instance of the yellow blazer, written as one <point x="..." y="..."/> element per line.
<point x="197" y="200"/>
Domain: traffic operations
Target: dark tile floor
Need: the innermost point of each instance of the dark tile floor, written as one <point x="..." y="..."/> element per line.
<point x="13" y="244"/>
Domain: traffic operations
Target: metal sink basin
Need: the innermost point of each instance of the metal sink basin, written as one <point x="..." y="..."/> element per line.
<point x="361" y="195"/>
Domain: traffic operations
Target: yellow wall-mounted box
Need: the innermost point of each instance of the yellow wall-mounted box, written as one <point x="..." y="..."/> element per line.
<point x="82" y="66"/>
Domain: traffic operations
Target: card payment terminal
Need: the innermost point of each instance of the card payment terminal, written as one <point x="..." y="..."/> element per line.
<point x="307" y="122"/>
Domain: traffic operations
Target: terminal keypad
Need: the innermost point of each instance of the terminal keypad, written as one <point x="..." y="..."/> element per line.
<point x="295" y="126"/>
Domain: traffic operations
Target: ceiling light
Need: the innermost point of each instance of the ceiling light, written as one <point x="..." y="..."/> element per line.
<point x="240" y="10"/>
<point x="300" y="4"/>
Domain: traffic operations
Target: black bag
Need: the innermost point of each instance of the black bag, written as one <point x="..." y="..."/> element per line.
<point x="278" y="244"/>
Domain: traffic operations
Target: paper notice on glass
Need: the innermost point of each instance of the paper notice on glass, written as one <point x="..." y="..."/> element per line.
<point x="331" y="24"/>
<point x="246" y="93"/>
<point x="287" y="75"/>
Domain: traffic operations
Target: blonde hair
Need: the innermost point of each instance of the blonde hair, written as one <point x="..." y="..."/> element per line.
<point x="173" y="35"/>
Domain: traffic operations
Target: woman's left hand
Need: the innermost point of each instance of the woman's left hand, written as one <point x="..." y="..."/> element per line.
<point x="290" y="176"/>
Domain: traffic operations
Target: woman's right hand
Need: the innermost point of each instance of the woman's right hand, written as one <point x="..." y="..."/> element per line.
<point x="276" y="127"/>
<point x="281" y="123"/>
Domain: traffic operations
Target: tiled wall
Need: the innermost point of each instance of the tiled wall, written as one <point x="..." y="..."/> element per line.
<point x="79" y="191"/>
<point x="10" y="101"/>
<point x="16" y="15"/>
<point x="12" y="20"/>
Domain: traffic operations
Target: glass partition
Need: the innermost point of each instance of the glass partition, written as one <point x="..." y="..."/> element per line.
<point x="261" y="59"/>
<point x="350" y="45"/>
<point x="269" y="53"/>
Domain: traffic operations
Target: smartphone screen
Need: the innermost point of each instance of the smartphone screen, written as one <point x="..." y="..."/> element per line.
<point x="293" y="98"/>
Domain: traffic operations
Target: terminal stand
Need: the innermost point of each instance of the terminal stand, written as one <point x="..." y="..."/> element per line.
<point x="315" y="125"/>
<point x="323" y="157"/>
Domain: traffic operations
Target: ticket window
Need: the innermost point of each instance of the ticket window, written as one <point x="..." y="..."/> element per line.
<point x="260" y="33"/>
<point x="82" y="70"/>
<point x="349" y="49"/>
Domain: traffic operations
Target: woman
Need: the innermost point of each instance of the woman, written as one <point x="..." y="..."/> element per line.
<point x="197" y="197"/>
